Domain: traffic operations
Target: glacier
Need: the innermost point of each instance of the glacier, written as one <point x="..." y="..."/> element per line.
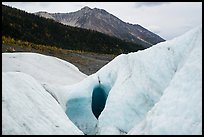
<point x="135" y="84"/>
<point x="27" y="108"/>
<point x="45" y="69"/>
<point x="154" y="91"/>
<point x="179" y="110"/>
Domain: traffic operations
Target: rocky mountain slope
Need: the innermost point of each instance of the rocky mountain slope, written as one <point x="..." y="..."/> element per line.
<point x="102" y="21"/>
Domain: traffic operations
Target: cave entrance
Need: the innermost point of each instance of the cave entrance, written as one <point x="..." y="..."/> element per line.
<point x="98" y="100"/>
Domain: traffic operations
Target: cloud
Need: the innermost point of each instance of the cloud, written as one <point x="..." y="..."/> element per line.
<point x="154" y="28"/>
<point x="149" y="4"/>
<point x="44" y="4"/>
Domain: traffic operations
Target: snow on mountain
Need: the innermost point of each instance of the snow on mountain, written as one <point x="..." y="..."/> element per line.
<point x="45" y="69"/>
<point x="27" y="109"/>
<point x="154" y="91"/>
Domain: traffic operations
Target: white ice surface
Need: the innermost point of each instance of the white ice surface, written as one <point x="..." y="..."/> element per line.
<point x="154" y="91"/>
<point x="20" y="91"/>
<point x="145" y="77"/>
<point x="179" y="110"/>
<point x="27" y="109"/>
<point x="135" y="83"/>
<point x="45" y="69"/>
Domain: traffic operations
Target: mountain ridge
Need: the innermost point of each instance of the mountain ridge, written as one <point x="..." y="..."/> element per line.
<point x="102" y="21"/>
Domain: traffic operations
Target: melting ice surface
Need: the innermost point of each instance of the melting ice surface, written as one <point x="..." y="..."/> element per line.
<point x="154" y="91"/>
<point x="156" y="84"/>
<point x="27" y="108"/>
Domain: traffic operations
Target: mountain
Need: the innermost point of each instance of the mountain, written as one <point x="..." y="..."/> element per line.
<point x="102" y="21"/>
<point x="154" y="91"/>
<point x="21" y="25"/>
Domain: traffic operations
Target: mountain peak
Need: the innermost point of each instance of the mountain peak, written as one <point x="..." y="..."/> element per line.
<point x="102" y="21"/>
<point x="86" y="8"/>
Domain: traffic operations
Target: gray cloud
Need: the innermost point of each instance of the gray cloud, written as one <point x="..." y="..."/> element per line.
<point x="149" y="4"/>
<point x="44" y="4"/>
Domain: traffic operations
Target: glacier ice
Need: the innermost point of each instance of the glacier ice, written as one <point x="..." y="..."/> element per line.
<point x="135" y="83"/>
<point x="154" y="91"/>
<point x="27" y="109"/>
<point x="179" y="110"/>
<point x="45" y="69"/>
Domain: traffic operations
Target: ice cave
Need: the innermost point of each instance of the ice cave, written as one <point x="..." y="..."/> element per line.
<point x="98" y="100"/>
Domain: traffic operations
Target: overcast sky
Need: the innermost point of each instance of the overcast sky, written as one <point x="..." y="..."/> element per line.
<point x="167" y="19"/>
